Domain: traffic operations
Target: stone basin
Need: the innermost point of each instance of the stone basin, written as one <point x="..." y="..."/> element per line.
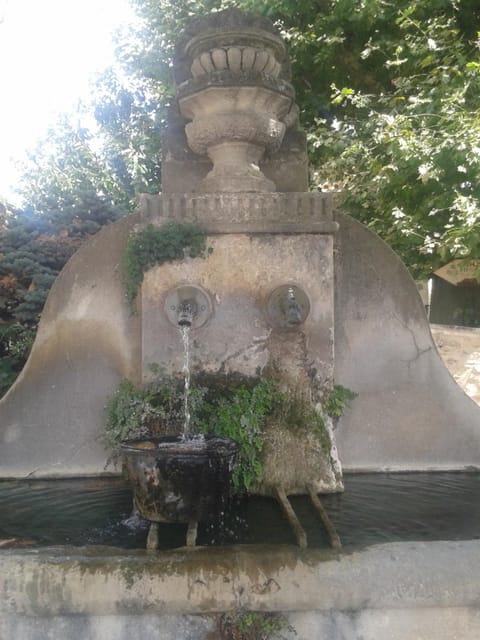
<point x="179" y="480"/>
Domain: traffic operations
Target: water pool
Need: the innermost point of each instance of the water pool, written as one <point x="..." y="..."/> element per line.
<point x="374" y="508"/>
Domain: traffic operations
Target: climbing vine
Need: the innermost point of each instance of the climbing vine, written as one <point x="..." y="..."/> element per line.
<point x="155" y="245"/>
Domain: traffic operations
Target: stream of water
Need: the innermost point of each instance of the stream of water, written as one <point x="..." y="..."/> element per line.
<point x="185" y="330"/>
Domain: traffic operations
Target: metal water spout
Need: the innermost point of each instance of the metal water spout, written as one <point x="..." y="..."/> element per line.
<point x="293" y="311"/>
<point x="288" y="306"/>
<point x="188" y="306"/>
<point x="187" y="310"/>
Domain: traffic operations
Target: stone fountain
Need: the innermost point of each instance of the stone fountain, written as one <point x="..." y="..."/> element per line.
<point x="265" y="294"/>
<point x="292" y="286"/>
<point x="269" y="309"/>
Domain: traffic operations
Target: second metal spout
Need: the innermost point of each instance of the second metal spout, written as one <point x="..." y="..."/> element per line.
<point x="293" y="312"/>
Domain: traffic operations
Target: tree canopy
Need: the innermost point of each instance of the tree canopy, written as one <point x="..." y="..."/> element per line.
<point x="388" y="95"/>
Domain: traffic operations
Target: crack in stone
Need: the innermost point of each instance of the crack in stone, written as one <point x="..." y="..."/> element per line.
<point x="419" y="352"/>
<point x="259" y="345"/>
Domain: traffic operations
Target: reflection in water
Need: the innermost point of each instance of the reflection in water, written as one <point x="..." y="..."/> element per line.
<point x="374" y="508"/>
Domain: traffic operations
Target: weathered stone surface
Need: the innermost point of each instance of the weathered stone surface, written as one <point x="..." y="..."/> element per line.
<point x="60" y="431"/>
<point x="397" y="591"/>
<point x="107" y="627"/>
<point x="234" y="124"/>
<point x="223" y="29"/>
<point x="182" y="170"/>
<point x="409" y="413"/>
<point x="404" y="575"/>
<point x="459" y="623"/>
<point x="434" y="623"/>
<point x="304" y="459"/>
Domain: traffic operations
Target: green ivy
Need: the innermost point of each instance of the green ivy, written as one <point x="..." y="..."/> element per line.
<point x="155" y="245"/>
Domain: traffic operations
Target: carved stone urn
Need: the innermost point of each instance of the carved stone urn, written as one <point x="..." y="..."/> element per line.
<point x="237" y="101"/>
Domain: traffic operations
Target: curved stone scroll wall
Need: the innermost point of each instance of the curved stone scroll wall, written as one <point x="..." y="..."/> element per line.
<point x="410" y="413"/>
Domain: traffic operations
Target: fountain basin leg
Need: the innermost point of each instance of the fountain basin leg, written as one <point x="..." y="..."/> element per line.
<point x="327" y="523"/>
<point x="291" y="516"/>
<point x="192" y="533"/>
<point x="152" y="538"/>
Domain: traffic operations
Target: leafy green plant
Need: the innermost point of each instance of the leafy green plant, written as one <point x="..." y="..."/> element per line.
<point x="253" y="625"/>
<point x="154" y="410"/>
<point x="124" y="414"/>
<point x="155" y="245"/>
<point x="337" y="401"/>
<point x="241" y="415"/>
<point x="235" y="408"/>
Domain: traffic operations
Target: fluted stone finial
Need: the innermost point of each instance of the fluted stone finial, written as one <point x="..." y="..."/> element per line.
<point x="232" y="69"/>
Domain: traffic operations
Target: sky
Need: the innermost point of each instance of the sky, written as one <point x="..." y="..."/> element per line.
<point x="48" y="51"/>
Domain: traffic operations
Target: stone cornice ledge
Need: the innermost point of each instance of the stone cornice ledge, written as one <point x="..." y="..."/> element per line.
<point x="243" y="212"/>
